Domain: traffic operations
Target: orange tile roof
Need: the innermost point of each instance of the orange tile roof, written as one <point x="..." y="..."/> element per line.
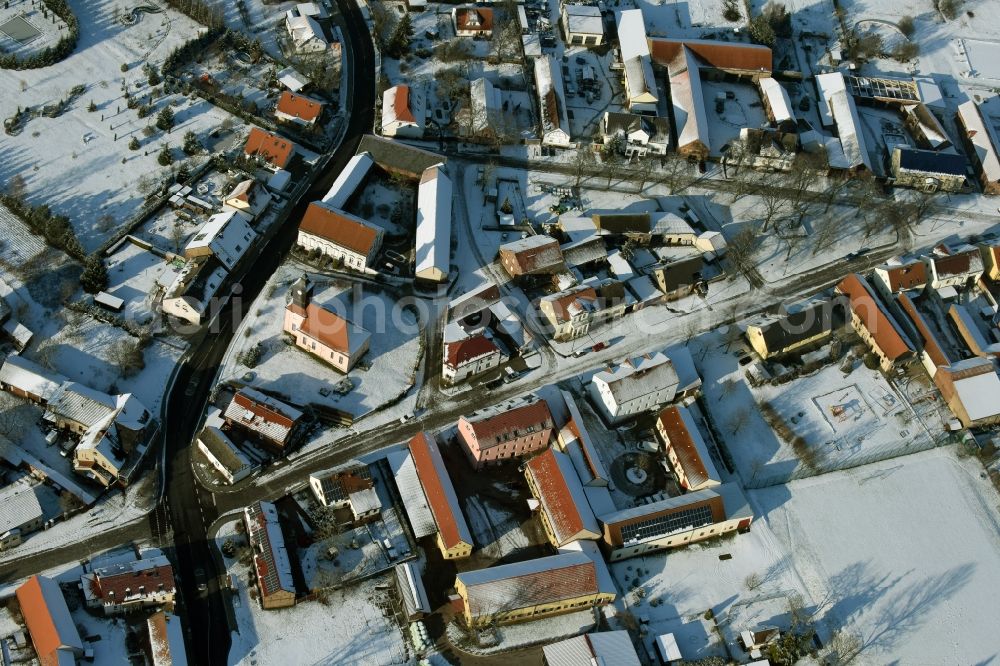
<point x="532" y="417"/>
<point x="273" y="148"/>
<point x="438" y="490"/>
<point x="931" y="345"/>
<point x="299" y="106"/>
<point x="683" y="445"/>
<point x="906" y="276"/>
<point x="401" y="104"/>
<point x="722" y="55"/>
<point x="876" y="319"/>
<point x="345" y="230"/>
<point x="464" y="18"/>
<point x="556" y="497"/>
<point x="262" y="411"/>
<point x="561" y="305"/>
<point x="48" y="626"/>
<point x="465" y="350"/>
<point x="324" y="326"/>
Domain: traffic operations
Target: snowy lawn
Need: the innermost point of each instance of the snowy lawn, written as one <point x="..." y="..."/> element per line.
<point x="134" y="275"/>
<point x="393" y="357"/>
<point x="903" y="553"/>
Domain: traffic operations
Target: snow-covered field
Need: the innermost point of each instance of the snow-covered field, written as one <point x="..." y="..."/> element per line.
<point x="394" y="353"/>
<point x="904" y="553"/>
<point x="74" y="162"/>
<point x="134" y="275"/>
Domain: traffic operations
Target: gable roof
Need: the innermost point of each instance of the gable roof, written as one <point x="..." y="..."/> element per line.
<point x="396" y="106"/>
<point x="688" y="445"/>
<point x="721" y="55"/>
<point x="439" y="491"/>
<point x="903" y="275"/>
<point x="330" y="329"/>
<point x="338" y="483"/>
<point x="982" y="139"/>
<point x="49" y="622"/>
<point x="494" y="427"/>
<point x="432" y="248"/>
<point x="534" y="254"/>
<point x="462" y="351"/>
<point x="882" y="326"/>
<point x="340" y="228"/>
<point x="785" y="330"/>
<point x="474" y="18"/>
<point x="931" y="161"/>
<point x="562" y="497"/>
<point x="262" y="414"/>
<point x="272" y="148"/>
<point x="299" y="106"/>
<point x="223" y="449"/>
<point x="119" y="582"/>
<point x="637" y="377"/>
<point x="605" y="648"/>
<point x="24" y="375"/>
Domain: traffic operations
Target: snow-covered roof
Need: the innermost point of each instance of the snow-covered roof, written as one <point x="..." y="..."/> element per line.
<point x="639" y="80"/>
<point x="592" y="459"/>
<point x="643" y="288"/>
<point x="304" y="29"/>
<point x="197" y="282"/>
<point x="560" y="491"/>
<point x="412" y="494"/>
<point x="348" y="181"/>
<point x="667" y="645"/>
<point x="166" y="639"/>
<point x="292" y="80"/>
<point x="688" y="100"/>
<point x="20" y="506"/>
<point x="404" y="105"/>
<point x="982" y="138"/>
<point x="20" y="373"/>
<point x="619" y="266"/>
<point x="606" y="648"/>
<point x="411" y="589"/>
<point x="53" y="631"/>
<point x="223" y="450"/>
<point x="262" y="414"/>
<point x="552" y="100"/>
<point x="486" y="103"/>
<point x="272" y="566"/>
<point x="637" y="377"/>
<point x="81" y="404"/>
<point x="838" y="109"/>
<point x="584" y="251"/>
<point x="777" y="99"/>
<point x="584" y="19"/>
<point x="684" y="437"/>
<point x="226" y="235"/>
<point x="670" y="224"/>
<point x="577" y="227"/>
<point x="632" y="34"/>
<point x="433" y="239"/>
<point x="979" y="395"/>
<point x="364" y="501"/>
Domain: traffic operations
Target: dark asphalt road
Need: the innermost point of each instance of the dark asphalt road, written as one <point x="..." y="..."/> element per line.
<point x="191" y="509"/>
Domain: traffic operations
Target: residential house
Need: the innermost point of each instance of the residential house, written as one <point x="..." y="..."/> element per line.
<point x="573" y="312"/>
<point x="349" y="485"/>
<point x="980" y="142"/>
<point x="271" y="566"/>
<point x="403" y="112"/>
<point x="111" y="448"/>
<point x="508" y="430"/>
<point x="248" y="198"/>
<point x="678" y="279"/>
<point x="639" y="135"/>
<point x="124" y="588"/>
<point x="472" y="21"/>
<point x="166" y="639"/>
<point x="873" y="322"/>
<point x="272" y="151"/>
<point x="971" y="389"/>
<point x="226" y="236"/>
<point x="928" y="170"/>
<point x="52" y="629"/>
<point x="898" y="275"/>
<point x="958" y="267"/>
<point x="792" y="329"/>
<point x="686" y="449"/>
<point x="269" y="421"/>
<point x="346" y="238"/>
<point x="29" y="380"/>
<point x="601" y="647"/>
<point x="675" y="521"/>
<point x="534" y="255"/>
<point x="220" y="452"/>
<point x="777" y="104"/>
<point x="555" y="127"/>
<point x="563" y="506"/>
<point x="321" y="331"/>
<point x="635" y="386"/>
<point x="304" y="30"/>
<point x="583" y="25"/>
<point x="298" y="109"/>
<point x="22" y="514"/>
<point x="486" y="100"/>
<point x="191" y="296"/>
<point x="543" y="587"/>
<point x="470" y="357"/>
<point x="452" y="533"/>
<point x="433" y="239"/>
<point x="641" y="94"/>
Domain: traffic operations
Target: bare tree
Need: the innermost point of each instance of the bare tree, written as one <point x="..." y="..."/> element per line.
<point x="506" y="39"/>
<point x="738" y="420"/>
<point x="16" y="416"/>
<point x="826" y="230"/>
<point x="742" y="252"/>
<point x="753" y="581"/>
<point x="583" y="162"/>
<point x="772" y="206"/>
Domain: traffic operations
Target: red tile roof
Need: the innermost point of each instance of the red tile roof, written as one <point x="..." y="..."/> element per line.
<point x="340" y="228"/>
<point x="906" y="276"/>
<point x="516" y="422"/>
<point x="262" y="411"/>
<point x="324" y="326"/>
<point x="468" y="349"/>
<point x="401" y="104"/>
<point x="49" y="627"/>
<point x="274" y="149"/>
<point x="298" y="106"/>
<point x="118" y="587"/>
<point x="557" y="499"/>
<point x="876" y="319"/>
<point x="683" y="445"/>
<point x="562" y="304"/>
<point x="722" y="55"/>
<point x="437" y="489"/>
<point x="465" y="18"/>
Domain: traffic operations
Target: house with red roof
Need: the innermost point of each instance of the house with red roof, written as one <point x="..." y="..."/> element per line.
<point x="52" y="630"/>
<point x="472" y="21"/>
<point x="269" y="421"/>
<point x="686" y="449"/>
<point x="403" y="112"/>
<point x="321" y="331"/>
<point x="272" y="151"/>
<point x="563" y="506"/>
<point x="271" y="564"/>
<point x="470" y="357"/>
<point x="453" y="537"/>
<point x="954" y="266"/>
<point x="873" y="322"/>
<point x="122" y="588"/>
<point x="298" y="109"/>
<point x="509" y="430"/>
<point x="899" y="275"/>
<point x="346" y="238"/>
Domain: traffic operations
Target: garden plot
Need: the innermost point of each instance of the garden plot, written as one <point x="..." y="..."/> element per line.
<point x="391" y="361"/>
<point x="352" y="626"/>
<point x="903" y="554"/>
<point x="80" y="163"/>
<point x="24" y="31"/>
<point x="20" y="245"/>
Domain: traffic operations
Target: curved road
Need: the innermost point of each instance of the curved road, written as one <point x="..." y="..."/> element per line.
<point x="188" y="508"/>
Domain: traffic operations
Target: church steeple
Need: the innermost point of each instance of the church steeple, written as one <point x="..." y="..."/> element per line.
<point x="301" y="292"/>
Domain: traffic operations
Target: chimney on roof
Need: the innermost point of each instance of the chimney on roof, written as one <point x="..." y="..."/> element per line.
<point x="302" y="292"/>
